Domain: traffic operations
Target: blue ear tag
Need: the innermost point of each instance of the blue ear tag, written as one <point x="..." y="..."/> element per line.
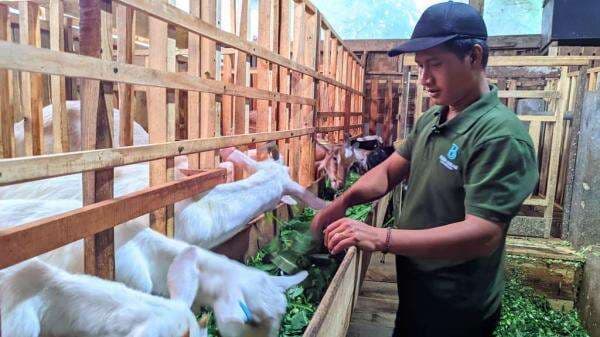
<point x="246" y="311"/>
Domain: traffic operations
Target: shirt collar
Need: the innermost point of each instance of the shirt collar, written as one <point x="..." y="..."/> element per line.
<point x="465" y="119"/>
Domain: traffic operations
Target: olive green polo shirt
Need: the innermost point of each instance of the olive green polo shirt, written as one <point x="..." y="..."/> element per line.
<point x="482" y="162"/>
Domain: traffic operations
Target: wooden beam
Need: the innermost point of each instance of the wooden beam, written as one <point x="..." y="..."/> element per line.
<point x="95" y="133"/>
<point x="208" y="64"/>
<point x="31" y="84"/>
<point x="241" y="67"/>
<point x="284" y="74"/>
<point x="26" y="241"/>
<point x="177" y="17"/>
<point x="125" y="46"/>
<point x="263" y="118"/>
<point x="67" y="64"/>
<point x="478" y="5"/>
<point x="298" y="85"/>
<point x="32" y="168"/>
<point x="193" y="118"/>
<point x="7" y="135"/>
<point x="228" y="71"/>
<point x="60" y="118"/>
<point x="157" y="112"/>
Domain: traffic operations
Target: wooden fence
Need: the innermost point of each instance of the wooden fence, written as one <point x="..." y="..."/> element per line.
<point x="196" y="77"/>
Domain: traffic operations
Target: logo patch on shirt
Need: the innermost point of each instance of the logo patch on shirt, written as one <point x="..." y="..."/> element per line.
<point x="453" y="152"/>
<point x="447" y="163"/>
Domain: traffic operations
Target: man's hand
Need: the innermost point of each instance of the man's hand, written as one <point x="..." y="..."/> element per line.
<point x="345" y="233"/>
<point x="334" y="211"/>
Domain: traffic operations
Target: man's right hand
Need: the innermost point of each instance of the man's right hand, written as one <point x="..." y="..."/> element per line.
<point x="334" y="211"/>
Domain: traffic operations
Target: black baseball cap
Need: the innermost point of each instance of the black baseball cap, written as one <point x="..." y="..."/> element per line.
<point x="441" y="23"/>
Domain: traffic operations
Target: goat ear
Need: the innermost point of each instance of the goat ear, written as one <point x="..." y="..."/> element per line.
<point x="286" y="282"/>
<point x="286" y="199"/>
<point x="183" y="276"/>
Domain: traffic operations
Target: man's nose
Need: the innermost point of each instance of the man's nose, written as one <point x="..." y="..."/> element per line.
<point x="426" y="78"/>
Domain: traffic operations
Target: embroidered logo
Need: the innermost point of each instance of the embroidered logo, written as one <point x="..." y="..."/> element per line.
<point x="447" y="163"/>
<point x="453" y="152"/>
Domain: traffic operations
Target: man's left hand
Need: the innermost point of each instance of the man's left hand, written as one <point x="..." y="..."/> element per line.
<point x="345" y="233"/>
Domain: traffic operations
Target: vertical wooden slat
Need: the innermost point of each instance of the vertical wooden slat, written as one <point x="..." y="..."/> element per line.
<point x="208" y="66"/>
<point x="284" y="74"/>
<point x="387" y="121"/>
<point x="193" y="116"/>
<point x="419" y="99"/>
<point x="326" y="67"/>
<point x="403" y="105"/>
<point x="297" y="85"/>
<point x="264" y="40"/>
<point x="511" y="103"/>
<point x="274" y="80"/>
<point x="171" y="122"/>
<point x="562" y="106"/>
<point x="339" y="93"/>
<point x="311" y="58"/>
<point x="227" y="77"/>
<point x="31" y="83"/>
<point x="157" y="112"/>
<point x="60" y="131"/>
<point x="7" y="137"/>
<point x="125" y="46"/>
<point x="95" y="133"/>
<point x="374" y="111"/>
<point x="331" y="90"/>
<point x="241" y="69"/>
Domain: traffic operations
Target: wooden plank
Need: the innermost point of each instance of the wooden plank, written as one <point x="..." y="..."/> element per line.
<point x="60" y="118"/>
<point x="29" y="240"/>
<point x="67" y="64"/>
<point x="374" y="111"/>
<point x="284" y="74"/>
<point x="7" y="136"/>
<point x="125" y="43"/>
<point x="307" y="142"/>
<point x="241" y="68"/>
<point x="527" y="61"/>
<point x="562" y="106"/>
<point x="95" y="133"/>
<point x="157" y="113"/>
<point x="208" y="64"/>
<point x="31" y="84"/>
<point x="388" y="109"/>
<point x="193" y="117"/>
<point x="332" y="317"/>
<point x="228" y="70"/>
<point x="298" y="84"/>
<point x="478" y="5"/>
<point x="177" y="17"/>
<point x="46" y="166"/>
<point x="263" y="118"/>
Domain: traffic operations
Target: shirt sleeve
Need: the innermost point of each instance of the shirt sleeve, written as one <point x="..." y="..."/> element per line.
<point x="501" y="173"/>
<point x="405" y="147"/>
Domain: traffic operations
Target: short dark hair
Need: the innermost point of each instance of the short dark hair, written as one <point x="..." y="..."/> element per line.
<point x="463" y="47"/>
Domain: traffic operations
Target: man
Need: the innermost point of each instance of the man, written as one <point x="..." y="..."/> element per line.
<point x="470" y="164"/>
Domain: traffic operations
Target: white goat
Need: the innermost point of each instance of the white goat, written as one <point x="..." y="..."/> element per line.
<point x="143" y="258"/>
<point x="37" y="299"/>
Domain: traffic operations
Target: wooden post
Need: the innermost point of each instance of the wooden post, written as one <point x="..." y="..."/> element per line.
<point x="7" y="136"/>
<point x="339" y="92"/>
<point x="193" y="117"/>
<point x="311" y="59"/>
<point x="332" y="90"/>
<point x="262" y="67"/>
<point x="284" y="74"/>
<point x="387" y="120"/>
<point x="95" y="134"/>
<point x="31" y="83"/>
<point x="227" y="76"/>
<point x="60" y="118"/>
<point x="208" y="65"/>
<point x="171" y="122"/>
<point x="125" y="45"/>
<point x="241" y="68"/>
<point x="157" y="113"/>
<point x="298" y="85"/>
<point x="478" y="4"/>
<point x="374" y="111"/>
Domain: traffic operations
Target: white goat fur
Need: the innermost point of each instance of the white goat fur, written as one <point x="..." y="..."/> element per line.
<point x="37" y="299"/>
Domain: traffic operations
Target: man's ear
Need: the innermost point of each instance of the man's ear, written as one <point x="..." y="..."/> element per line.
<point x="477" y="56"/>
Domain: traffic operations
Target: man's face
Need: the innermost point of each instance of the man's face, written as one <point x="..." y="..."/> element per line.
<point x="446" y="77"/>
